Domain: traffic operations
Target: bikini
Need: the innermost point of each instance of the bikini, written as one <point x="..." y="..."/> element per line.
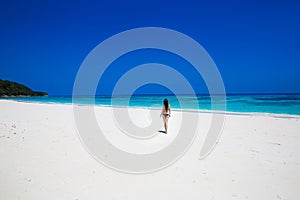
<point x="166" y="113"/>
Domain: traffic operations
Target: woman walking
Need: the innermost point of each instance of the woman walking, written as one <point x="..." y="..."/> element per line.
<point x="166" y="113"/>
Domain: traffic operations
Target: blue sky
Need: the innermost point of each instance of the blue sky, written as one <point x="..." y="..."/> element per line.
<point x="255" y="44"/>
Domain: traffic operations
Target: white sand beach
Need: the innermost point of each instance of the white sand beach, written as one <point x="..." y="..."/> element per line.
<point x="41" y="157"/>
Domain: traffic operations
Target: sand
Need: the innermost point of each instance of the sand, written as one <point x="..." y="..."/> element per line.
<point x="41" y="157"/>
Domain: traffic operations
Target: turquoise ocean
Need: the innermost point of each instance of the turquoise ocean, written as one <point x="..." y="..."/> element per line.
<point x="267" y="103"/>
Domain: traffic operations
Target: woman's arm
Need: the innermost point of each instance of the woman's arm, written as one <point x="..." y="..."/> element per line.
<point x="169" y="111"/>
<point x="162" y="110"/>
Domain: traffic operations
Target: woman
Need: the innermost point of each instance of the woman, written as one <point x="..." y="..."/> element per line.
<point x="166" y="113"/>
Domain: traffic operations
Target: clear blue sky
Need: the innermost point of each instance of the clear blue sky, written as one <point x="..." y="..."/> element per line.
<point x="255" y="44"/>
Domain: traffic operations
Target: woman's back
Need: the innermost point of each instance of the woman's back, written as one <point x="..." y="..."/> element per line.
<point x="166" y="111"/>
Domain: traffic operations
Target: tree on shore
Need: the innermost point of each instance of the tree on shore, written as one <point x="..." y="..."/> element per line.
<point x="10" y="89"/>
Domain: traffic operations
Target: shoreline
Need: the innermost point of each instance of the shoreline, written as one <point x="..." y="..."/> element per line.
<point x="275" y="115"/>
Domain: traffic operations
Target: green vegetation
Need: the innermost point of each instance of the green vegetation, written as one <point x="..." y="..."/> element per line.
<point x="10" y="89"/>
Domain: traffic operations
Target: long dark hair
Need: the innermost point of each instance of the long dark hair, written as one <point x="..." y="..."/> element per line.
<point x="166" y="103"/>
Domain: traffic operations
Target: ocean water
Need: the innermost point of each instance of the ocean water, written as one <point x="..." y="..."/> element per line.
<point x="278" y="104"/>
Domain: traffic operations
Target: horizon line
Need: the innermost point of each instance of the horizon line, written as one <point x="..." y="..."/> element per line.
<point x="204" y="94"/>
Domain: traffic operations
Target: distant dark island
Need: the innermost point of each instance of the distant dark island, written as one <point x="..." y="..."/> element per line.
<point x="13" y="89"/>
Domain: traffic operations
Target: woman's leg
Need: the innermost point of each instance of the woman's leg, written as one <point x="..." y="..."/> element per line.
<point x="166" y="124"/>
<point x="165" y="121"/>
